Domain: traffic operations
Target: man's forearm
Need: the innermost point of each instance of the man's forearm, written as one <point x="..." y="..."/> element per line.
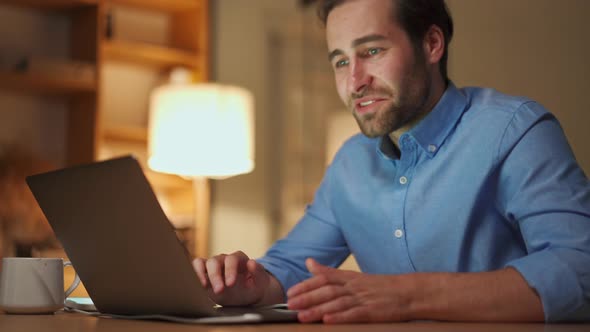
<point x="501" y="295"/>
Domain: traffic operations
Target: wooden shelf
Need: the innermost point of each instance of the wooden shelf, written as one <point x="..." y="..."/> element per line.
<point x="126" y="134"/>
<point x="44" y="84"/>
<point x="149" y="55"/>
<point x="161" y="5"/>
<point x="50" y="4"/>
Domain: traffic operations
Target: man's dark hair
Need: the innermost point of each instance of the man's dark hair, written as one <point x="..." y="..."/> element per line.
<point x="415" y="17"/>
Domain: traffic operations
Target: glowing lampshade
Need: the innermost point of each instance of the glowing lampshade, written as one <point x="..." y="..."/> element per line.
<point x="201" y="130"/>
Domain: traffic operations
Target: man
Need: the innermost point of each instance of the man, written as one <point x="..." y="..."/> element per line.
<point x="458" y="204"/>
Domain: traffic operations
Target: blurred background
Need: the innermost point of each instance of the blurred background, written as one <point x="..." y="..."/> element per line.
<point x="76" y="78"/>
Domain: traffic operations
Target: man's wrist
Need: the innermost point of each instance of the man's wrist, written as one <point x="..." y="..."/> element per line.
<point x="273" y="293"/>
<point x="425" y="295"/>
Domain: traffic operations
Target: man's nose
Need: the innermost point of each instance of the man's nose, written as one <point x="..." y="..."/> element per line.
<point x="358" y="79"/>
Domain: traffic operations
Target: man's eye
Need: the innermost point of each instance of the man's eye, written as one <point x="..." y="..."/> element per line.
<point x="340" y="63"/>
<point x="373" y="51"/>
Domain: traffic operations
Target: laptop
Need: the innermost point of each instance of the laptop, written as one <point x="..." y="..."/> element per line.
<point x="125" y="250"/>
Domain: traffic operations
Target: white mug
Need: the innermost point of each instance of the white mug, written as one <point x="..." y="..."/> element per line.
<point x="33" y="285"/>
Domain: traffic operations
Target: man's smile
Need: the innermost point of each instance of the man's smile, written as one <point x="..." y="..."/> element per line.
<point x="367" y="104"/>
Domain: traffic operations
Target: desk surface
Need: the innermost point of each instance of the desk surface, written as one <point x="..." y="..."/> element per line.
<point x="66" y="322"/>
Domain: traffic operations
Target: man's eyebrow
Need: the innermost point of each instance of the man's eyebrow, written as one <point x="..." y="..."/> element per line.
<point x="355" y="43"/>
<point x="366" y="39"/>
<point x="334" y="54"/>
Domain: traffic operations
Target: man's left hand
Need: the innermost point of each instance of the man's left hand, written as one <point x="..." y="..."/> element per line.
<point x="337" y="296"/>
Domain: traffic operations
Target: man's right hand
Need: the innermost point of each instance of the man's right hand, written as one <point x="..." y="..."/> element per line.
<point x="234" y="279"/>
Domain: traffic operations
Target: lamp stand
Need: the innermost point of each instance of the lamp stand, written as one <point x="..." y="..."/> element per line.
<point x="202" y="212"/>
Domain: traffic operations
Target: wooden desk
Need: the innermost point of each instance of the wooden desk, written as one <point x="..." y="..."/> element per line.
<point x="66" y="322"/>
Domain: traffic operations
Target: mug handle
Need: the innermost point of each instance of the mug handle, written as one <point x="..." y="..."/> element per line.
<point x="74" y="284"/>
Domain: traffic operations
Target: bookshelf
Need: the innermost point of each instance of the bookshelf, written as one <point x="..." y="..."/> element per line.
<point x="188" y="46"/>
<point x="89" y="137"/>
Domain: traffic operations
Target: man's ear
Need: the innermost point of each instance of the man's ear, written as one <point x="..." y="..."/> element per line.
<point x="434" y="44"/>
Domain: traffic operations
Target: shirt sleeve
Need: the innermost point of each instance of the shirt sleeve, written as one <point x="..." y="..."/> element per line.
<point x="544" y="193"/>
<point x="316" y="235"/>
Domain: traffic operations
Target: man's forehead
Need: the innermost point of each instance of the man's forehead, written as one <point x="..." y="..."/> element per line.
<point x="364" y="10"/>
<point x="356" y="19"/>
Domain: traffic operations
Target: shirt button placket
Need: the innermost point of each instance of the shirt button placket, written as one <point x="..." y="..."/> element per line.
<point x="398" y="235"/>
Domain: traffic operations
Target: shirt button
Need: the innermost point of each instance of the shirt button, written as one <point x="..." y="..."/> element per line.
<point x="398" y="233"/>
<point x="403" y="180"/>
<point x="431" y="148"/>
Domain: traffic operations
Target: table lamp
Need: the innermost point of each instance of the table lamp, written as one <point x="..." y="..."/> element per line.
<point x="201" y="131"/>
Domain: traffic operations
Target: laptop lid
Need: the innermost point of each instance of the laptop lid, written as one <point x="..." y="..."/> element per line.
<point x="119" y="240"/>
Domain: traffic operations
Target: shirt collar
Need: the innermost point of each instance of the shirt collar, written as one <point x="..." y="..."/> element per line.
<point x="431" y="132"/>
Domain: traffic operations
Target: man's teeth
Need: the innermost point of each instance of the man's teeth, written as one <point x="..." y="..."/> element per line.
<point x="366" y="103"/>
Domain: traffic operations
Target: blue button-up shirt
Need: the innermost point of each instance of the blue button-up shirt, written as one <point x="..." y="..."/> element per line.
<point x="483" y="182"/>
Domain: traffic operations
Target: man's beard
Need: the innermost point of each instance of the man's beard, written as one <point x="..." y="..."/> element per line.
<point x="405" y="107"/>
